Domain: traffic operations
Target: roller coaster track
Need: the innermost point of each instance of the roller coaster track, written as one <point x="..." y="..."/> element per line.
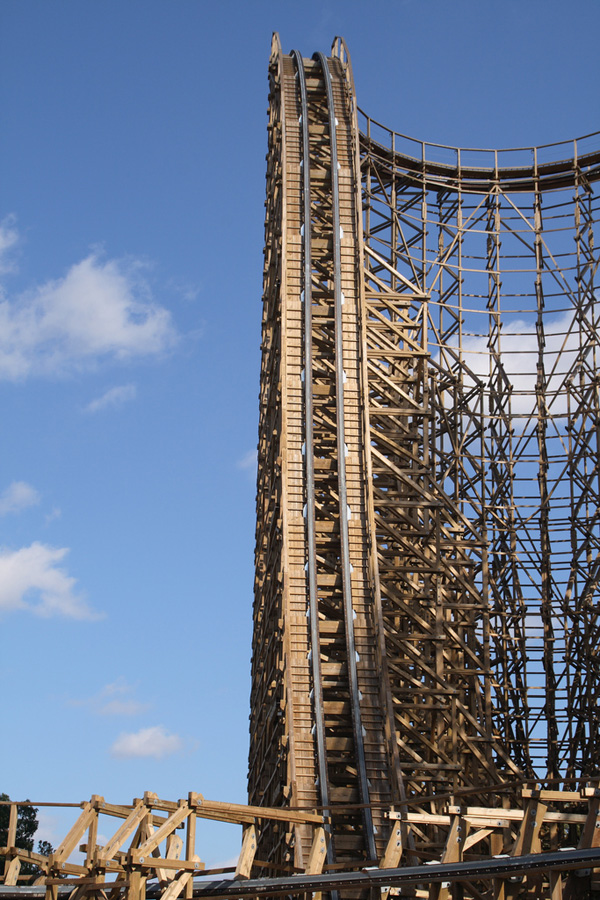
<point x="426" y="616"/>
<point x="325" y="423"/>
<point x="400" y="633"/>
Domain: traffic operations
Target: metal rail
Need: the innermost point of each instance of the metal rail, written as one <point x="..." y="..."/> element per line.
<point x="480" y="870"/>
<point x="309" y="461"/>
<point x="551" y="174"/>
<point x="341" y="451"/>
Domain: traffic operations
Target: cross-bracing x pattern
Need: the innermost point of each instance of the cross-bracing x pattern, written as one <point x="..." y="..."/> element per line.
<point x="493" y="283"/>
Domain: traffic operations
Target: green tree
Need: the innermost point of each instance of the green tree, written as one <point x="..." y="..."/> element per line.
<point x="45" y="847"/>
<point x="27" y="823"/>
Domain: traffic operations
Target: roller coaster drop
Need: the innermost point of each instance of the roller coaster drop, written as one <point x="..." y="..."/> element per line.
<point x="425" y="675"/>
<point x="428" y="537"/>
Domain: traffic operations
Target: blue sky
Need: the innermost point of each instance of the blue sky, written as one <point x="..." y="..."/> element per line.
<point x="132" y="146"/>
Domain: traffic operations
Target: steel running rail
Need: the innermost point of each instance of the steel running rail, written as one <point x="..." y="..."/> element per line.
<point x="378" y="879"/>
<point x="295" y="885"/>
<point x="313" y="607"/>
<point x="343" y="493"/>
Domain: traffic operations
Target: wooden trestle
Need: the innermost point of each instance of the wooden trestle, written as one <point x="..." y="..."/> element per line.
<point x="389" y="663"/>
<point x="425" y="672"/>
<point x="146" y="857"/>
<point x="319" y="734"/>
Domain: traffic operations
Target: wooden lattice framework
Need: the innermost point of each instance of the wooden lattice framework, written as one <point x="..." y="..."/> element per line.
<point x="428" y="528"/>
<point x="146" y="858"/>
<point x="425" y="660"/>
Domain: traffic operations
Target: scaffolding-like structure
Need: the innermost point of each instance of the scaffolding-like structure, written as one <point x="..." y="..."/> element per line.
<point x="424" y="711"/>
<point x="428" y="533"/>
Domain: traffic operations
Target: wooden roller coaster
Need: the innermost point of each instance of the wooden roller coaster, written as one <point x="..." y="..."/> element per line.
<point x="425" y="672"/>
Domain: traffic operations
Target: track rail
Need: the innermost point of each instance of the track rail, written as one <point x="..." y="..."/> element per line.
<point x="332" y="724"/>
<point x="344" y="509"/>
<point x="313" y="607"/>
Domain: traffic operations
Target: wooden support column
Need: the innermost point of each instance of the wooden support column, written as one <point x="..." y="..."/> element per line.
<point x="317" y="856"/>
<point x="190" y="847"/>
<point x="184" y="881"/>
<point x="590" y="837"/>
<point x="11" y="871"/>
<point x="318" y="852"/>
<point x="453" y="850"/>
<point x="393" y="850"/>
<point x="247" y="854"/>
<point x="137" y="886"/>
<point x="92" y="839"/>
<point x="528" y="839"/>
<point x="12" y="825"/>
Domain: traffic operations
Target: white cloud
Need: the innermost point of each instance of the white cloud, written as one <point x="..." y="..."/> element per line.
<point x="8" y="238"/>
<point x="101" y="309"/>
<point x="18" y="496"/>
<point x="31" y="579"/>
<point x="113" y="398"/>
<point x="248" y="461"/>
<point x="519" y="361"/>
<point x="154" y="742"/>
<point x="55" y="513"/>
<point x="114" y="699"/>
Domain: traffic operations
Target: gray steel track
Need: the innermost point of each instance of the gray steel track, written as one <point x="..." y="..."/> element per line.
<point x="295" y="885"/>
<point x="342" y="484"/>
<point x="313" y="603"/>
<point x="375" y="879"/>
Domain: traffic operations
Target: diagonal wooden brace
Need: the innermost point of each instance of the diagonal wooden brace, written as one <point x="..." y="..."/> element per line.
<point x="247" y="854"/>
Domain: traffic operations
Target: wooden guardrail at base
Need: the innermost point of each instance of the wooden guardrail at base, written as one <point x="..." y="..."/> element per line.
<point x="147" y="856"/>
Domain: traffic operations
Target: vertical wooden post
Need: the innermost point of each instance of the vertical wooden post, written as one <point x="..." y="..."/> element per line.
<point x="528" y="839"/>
<point x="452" y="850"/>
<point x="93" y="830"/>
<point x="12" y="825"/>
<point x="137" y="886"/>
<point x="11" y="871"/>
<point x="190" y="847"/>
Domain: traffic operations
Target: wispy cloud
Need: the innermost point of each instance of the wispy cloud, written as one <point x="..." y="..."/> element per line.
<point x="114" y="699"/>
<point x="113" y="398"/>
<point x="248" y="461"/>
<point x="9" y="237"/>
<point x="32" y="579"/>
<point x="55" y="513"/>
<point x="187" y="290"/>
<point x="100" y="310"/>
<point x="18" y="496"/>
<point x="154" y="742"/>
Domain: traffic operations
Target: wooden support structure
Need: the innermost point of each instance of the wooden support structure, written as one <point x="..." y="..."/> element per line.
<point x="146" y="848"/>
<point x="146" y="854"/>
<point x="426" y="613"/>
<point x="428" y="525"/>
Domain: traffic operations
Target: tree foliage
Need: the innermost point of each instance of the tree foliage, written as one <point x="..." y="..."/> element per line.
<point x="27" y="824"/>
